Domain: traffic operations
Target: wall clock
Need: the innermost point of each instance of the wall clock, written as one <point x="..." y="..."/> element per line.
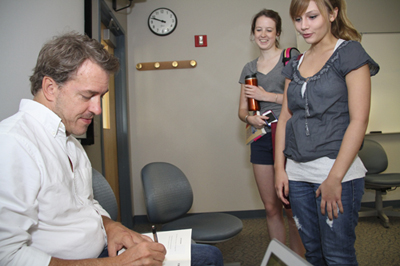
<point x="162" y="21"/>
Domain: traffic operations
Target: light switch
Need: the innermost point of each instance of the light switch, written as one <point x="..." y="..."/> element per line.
<point x="200" y="40"/>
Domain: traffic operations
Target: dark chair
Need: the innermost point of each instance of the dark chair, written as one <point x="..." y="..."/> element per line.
<point x="169" y="196"/>
<point x="375" y="160"/>
<point x="104" y="194"/>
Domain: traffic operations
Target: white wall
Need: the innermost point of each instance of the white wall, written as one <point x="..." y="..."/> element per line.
<point x="25" y="26"/>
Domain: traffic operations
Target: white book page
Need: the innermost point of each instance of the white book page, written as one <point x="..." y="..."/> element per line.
<point x="178" y="246"/>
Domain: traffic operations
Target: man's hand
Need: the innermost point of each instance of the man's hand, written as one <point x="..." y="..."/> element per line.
<point x="145" y="253"/>
<point x="118" y="237"/>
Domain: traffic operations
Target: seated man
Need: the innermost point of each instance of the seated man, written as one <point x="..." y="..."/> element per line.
<point x="47" y="212"/>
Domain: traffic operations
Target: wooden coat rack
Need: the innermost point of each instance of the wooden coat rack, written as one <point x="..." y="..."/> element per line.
<point x="166" y="65"/>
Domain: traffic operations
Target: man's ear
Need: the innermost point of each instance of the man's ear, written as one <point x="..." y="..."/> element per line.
<point x="49" y="88"/>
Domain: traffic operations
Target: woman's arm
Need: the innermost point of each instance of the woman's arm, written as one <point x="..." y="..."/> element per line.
<point x="243" y="106"/>
<point x="359" y="93"/>
<point x="281" y="178"/>
<point x="254" y="120"/>
<point x="258" y="93"/>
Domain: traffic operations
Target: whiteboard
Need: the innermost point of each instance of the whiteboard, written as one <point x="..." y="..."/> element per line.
<point x="385" y="86"/>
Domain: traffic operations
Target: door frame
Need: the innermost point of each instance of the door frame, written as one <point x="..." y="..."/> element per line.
<point x="105" y="15"/>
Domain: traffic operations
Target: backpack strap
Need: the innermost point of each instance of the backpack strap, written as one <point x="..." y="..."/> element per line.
<point x="299" y="56"/>
<point x="287" y="55"/>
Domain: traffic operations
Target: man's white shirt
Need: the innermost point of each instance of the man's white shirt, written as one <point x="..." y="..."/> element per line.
<point x="46" y="208"/>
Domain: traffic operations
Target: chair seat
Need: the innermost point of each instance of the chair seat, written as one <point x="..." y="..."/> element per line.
<point x="382" y="180"/>
<point x="208" y="227"/>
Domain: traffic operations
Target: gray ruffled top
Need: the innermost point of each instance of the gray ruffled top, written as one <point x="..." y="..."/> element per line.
<point x="319" y="104"/>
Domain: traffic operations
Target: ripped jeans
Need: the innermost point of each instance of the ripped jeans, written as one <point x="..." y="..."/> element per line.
<point x="327" y="242"/>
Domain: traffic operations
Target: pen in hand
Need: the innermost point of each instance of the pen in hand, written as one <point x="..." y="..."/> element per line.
<point x="153" y="229"/>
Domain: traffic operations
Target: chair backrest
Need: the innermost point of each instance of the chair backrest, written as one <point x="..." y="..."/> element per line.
<point x="167" y="191"/>
<point x="373" y="156"/>
<point x="104" y="194"/>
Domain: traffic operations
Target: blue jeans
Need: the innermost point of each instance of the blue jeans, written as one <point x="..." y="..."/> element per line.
<point x="206" y="255"/>
<point x="327" y="242"/>
<point x="202" y="255"/>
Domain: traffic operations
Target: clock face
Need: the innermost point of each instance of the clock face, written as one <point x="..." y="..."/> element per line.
<point x="162" y="21"/>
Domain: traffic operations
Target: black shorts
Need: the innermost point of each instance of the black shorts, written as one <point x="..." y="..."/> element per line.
<point x="261" y="150"/>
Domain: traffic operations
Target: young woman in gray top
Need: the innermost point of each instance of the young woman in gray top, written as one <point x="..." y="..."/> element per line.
<point x="321" y="128"/>
<point x="266" y="29"/>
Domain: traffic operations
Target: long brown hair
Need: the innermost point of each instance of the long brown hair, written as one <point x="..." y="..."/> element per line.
<point x="341" y="28"/>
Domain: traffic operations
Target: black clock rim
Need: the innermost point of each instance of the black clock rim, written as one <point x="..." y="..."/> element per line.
<point x="160" y="34"/>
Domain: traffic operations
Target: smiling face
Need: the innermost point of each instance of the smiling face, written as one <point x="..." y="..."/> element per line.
<point x="313" y="25"/>
<point x="265" y="33"/>
<point x="79" y="99"/>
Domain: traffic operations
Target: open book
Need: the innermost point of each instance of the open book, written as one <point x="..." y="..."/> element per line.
<point x="252" y="133"/>
<point x="178" y="246"/>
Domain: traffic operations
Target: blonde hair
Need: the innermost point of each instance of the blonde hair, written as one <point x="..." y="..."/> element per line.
<point x="341" y="28"/>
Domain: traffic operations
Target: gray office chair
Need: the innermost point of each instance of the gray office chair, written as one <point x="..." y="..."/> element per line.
<point x="375" y="160"/>
<point x="104" y="194"/>
<point x="169" y="196"/>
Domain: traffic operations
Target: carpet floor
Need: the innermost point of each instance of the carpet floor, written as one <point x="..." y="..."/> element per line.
<point x="375" y="245"/>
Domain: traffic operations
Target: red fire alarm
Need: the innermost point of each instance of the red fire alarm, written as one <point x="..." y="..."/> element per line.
<point x="200" y="40"/>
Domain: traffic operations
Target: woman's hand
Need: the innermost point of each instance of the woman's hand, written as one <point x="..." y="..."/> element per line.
<point x="260" y="94"/>
<point x="257" y="121"/>
<point x="331" y="197"/>
<point x="282" y="186"/>
<point x="254" y="92"/>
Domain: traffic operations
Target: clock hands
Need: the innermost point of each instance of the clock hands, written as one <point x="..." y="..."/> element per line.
<point x="163" y="21"/>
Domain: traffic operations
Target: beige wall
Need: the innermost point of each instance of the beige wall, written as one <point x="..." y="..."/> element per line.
<point x="189" y="116"/>
<point x="26" y="26"/>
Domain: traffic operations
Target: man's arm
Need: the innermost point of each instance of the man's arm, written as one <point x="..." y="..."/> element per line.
<point x="140" y="250"/>
<point x="19" y="187"/>
<point x="145" y="253"/>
